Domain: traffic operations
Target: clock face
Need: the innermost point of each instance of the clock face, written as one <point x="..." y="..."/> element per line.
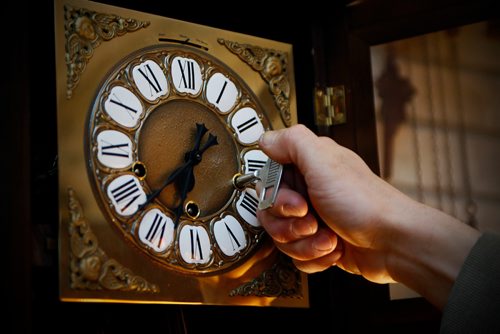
<point x="169" y="129"/>
<point x="157" y="119"/>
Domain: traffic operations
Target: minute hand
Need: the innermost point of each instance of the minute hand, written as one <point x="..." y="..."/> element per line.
<point x="200" y="131"/>
<point x="171" y="178"/>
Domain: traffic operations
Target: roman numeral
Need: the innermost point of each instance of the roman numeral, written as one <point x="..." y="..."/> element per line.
<point x="250" y="203"/>
<point x="194" y="244"/>
<point x="254" y="164"/>
<point x="187" y="74"/>
<point x="254" y="160"/>
<point x="232" y="237"/>
<point x="221" y="92"/>
<point x="123" y="106"/>
<point x="196" y="252"/>
<point x="248" y="124"/>
<point x="116" y="101"/>
<point x="150" y="80"/>
<point x="127" y="192"/>
<point x="155" y="85"/>
<point x="116" y="150"/>
<point x="229" y="235"/>
<point x="156" y="232"/>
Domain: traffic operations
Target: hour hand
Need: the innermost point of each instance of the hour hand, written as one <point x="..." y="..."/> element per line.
<point x="185" y="184"/>
<point x="269" y="176"/>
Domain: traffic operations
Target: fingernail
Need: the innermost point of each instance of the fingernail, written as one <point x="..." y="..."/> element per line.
<point x="323" y="242"/>
<point x="267" y="138"/>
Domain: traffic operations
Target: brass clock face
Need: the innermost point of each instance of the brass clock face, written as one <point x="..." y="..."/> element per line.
<point x="156" y="118"/>
<point x="169" y="129"/>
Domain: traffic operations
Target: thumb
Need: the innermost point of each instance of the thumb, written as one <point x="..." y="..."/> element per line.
<point x="297" y="145"/>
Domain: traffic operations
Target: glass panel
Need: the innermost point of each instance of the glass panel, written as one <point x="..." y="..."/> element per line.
<point x="437" y="100"/>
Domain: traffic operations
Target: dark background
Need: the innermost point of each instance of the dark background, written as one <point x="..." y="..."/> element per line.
<point x="330" y="47"/>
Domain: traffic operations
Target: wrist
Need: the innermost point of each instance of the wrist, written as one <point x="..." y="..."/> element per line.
<point x="427" y="249"/>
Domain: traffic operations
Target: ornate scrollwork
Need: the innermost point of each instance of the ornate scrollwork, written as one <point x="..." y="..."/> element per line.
<point x="272" y="66"/>
<point x="281" y="280"/>
<point x="91" y="268"/>
<point x="85" y="30"/>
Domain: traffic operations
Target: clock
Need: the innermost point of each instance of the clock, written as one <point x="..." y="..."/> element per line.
<point x="157" y="120"/>
<point x="169" y="130"/>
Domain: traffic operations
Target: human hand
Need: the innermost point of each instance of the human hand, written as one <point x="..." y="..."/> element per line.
<point x="370" y="228"/>
<point x="342" y="191"/>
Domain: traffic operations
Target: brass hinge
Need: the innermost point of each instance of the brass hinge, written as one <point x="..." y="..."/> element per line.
<point x="329" y="106"/>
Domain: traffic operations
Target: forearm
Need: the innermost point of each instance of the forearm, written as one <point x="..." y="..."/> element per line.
<point x="428" y="249"/>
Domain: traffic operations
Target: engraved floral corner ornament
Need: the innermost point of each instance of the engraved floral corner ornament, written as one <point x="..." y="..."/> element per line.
<point x="85" y="30"/>
<point x="281" y="280"/>
<point x="91" y="268"/>
<point x="272" y="66"/>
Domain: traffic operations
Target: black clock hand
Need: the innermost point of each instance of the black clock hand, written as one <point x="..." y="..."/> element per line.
<point x="186" y="185"/>
<point x="175" y="174"/>
<point x="185" y="171"/>
<point x="193" y="158"/>
<point x="186" y="181"/>
<point x="200" y="131"/>
<point x="211" y="141"/>
<point x="196" y="154"/>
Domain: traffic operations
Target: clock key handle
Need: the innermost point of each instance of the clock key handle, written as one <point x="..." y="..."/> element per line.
<point x="269" y="176"/>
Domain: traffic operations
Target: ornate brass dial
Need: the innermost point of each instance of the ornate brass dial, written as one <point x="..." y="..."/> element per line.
<point x="141" y="129"/>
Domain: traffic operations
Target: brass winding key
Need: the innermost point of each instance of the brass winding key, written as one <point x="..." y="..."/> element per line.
<point x="269" y="176"/>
